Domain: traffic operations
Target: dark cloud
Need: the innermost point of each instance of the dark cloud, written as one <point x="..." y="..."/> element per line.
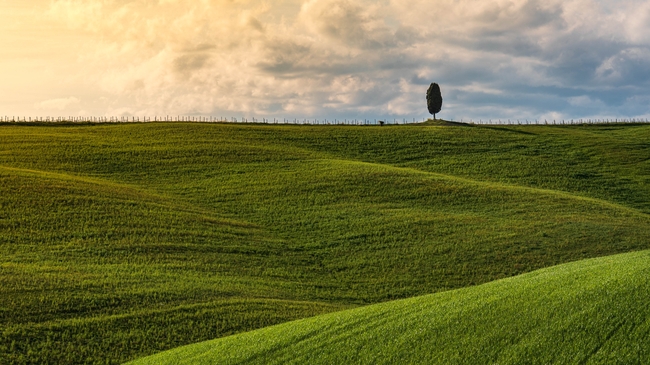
<point x="345" y="22"/>
<point x="190" y="62"/>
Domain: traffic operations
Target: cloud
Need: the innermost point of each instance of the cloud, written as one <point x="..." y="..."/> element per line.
<point x="352" y="24"/>
<point x="335" y="58"/>
<point x="58" y="104"/>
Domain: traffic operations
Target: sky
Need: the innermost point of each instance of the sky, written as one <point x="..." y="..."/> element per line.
<point x="493" y="59"/>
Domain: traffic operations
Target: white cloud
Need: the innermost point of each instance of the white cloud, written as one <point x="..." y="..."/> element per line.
<point x="585" y="101"/>
<point x="58" y="104"/>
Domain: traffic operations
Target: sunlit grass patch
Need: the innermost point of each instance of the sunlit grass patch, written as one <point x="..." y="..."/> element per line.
<point x="592" y="311"/>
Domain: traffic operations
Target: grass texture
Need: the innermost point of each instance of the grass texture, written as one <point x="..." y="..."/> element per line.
<point x="120" y="241"/>
<point x="592" y="311"/>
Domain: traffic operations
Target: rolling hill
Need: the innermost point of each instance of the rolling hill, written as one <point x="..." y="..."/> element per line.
<point x="592" y="311"/>
<point x="120" y="241"/>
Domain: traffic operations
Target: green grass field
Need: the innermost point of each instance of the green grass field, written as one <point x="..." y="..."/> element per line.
<point x="120" y="241"/>
<point x="592" y="311"/>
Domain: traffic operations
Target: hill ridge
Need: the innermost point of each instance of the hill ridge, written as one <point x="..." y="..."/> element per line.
<point x="156" y="197"/>
<point x="496" y="184"/>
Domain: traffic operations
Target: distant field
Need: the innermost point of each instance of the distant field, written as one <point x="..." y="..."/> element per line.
<point x="119" y="241"/>
<point x="592" y="311"/>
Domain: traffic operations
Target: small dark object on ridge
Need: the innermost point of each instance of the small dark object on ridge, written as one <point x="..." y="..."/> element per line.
<point x="434" y="99"/>
<point x="381" y="122"/>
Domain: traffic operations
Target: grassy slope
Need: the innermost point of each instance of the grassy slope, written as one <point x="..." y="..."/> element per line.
<point x="588" y="312"/>
<point x="122" y="240"/>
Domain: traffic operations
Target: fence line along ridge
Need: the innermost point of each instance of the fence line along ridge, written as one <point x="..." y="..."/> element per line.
<point x="308" y="121"/>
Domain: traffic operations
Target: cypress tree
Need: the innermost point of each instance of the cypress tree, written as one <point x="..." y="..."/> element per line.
<point x="434" y="99"/>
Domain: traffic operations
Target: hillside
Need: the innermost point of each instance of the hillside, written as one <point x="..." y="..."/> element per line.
<point x="587" y="312"/>
<point x="119" y="241"/>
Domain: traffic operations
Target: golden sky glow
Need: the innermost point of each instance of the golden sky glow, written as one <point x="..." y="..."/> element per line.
<point x="325" y="58"/>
